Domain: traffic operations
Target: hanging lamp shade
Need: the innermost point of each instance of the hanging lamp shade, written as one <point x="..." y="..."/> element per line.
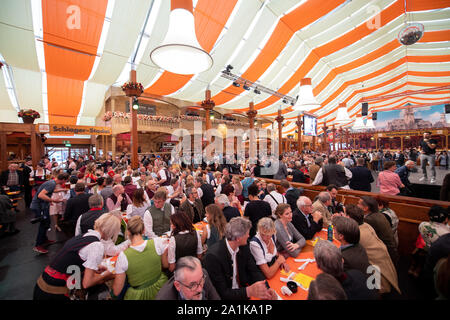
<point x="306" y="100"/>
<point x="359" y="124"/>
<point x="180" y="52"/>
<point x="369" y="124"/>
<point x="342" y="114"/>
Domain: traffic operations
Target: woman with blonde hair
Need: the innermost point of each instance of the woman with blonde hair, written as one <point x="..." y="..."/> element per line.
<point x="141" y="263"/>
<point x="215" y="229"/>
<point x="236" y="182"/>
<point x="264" y="250"/>
<point x="85" y="252"/>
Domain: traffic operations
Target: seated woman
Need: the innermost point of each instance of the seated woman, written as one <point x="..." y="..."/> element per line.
<point x="215" y="229"/>
<point x="184" y="240"/>
<point x="113" y="248"/>
<point x="388" y="181"/>
<point x="289" y="241"/>
<point x="263" y="249"/>
<point x="141" y="264"/>
<point x="140" y="204"/>
<point x="436" y="227"/>
<point x="84" y="251"/>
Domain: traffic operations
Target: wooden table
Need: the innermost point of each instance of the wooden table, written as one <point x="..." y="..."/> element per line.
<point x="311" y="270"/>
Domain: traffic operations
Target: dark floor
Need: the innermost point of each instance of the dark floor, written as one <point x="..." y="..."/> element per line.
<point x="20" y="266"/>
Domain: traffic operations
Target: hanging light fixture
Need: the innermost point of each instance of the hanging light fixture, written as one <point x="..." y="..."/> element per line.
<point x="359" y="124"/>
<point x="342" y="114"/>
<point x="306" y="100"/>
<point x="180" y="52"/>
<point x="369" y="124"/>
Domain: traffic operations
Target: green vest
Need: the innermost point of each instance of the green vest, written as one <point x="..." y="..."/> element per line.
<point x="144" y="268"/>
<point x="161" y="219"/>
<point x="123" y="231"/>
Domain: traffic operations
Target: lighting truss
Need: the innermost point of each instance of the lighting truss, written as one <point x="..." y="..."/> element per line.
<point x="239" y="81"/>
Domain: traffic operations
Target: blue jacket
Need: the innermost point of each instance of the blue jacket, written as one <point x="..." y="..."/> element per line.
<point x="403" y="173"/>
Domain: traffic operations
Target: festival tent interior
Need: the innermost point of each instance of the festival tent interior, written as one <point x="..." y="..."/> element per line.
<point x="60" y="58"/>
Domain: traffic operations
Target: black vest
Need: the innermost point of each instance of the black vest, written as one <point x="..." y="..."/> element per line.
<point x="68" y="255"/>
<point x="88" y="219"/>
<point x="123" y="204"/>
<point x="334" y="174"/>
<point x="208" y="194"/>
<point x="186" y="245"/>
<point x="167" y="182"/>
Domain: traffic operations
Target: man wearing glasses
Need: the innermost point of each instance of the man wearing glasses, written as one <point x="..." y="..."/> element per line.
<point x="307" y="222"/>
<point x="189" y="282"/>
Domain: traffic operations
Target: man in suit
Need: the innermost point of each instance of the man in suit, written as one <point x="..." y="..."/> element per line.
<point x="232" y="268"/>
<point x="307" y="222"/>
<point x="228" y="211"/>
<point x="346" y="231"/>
<point x="207" y="190"/>
<point x="193" y="206"/>
<point x="380" y="224"/>
<point x="321" y="204"/>
<point x="75" y="207"/>
<point x="282" y="170"/>
<point x="291" y="194"/>
<point x="361" y="177"/>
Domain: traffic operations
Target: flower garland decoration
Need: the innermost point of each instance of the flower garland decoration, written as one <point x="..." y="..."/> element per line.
<point x="28" y="113"/>
<point x="108" y="116"/>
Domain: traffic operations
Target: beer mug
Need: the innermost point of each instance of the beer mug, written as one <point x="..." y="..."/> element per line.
<point x="31" y="181"/>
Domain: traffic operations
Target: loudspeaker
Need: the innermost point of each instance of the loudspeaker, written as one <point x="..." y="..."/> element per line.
<point x="447" y="108"/>
<point x="364" y="109"/>
<point x="374" y="116"/>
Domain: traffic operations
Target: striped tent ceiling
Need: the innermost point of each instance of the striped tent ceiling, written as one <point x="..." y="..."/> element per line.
<point x="61" y="56"/>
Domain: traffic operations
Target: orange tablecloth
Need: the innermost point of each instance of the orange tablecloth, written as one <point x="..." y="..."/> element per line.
<point x="310" y="270"/>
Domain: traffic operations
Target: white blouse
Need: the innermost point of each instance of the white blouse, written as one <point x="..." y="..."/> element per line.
<point x="172" y="246"/>
<point x="92" y="254"/>
<point x="148" y="223"/>
<point x="122" y="261"/>
<point x="260" y="257"/>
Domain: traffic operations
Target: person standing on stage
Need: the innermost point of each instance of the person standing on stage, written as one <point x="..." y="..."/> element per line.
<point x="428" y="154"/>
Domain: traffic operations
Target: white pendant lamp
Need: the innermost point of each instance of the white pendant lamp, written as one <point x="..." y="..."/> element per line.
<point x="342" y="114"/>
<point x="369" y="124"/>
<point x="306" y="100"/>
<point x="359" y="124"/>
<point x="180" y="51"/>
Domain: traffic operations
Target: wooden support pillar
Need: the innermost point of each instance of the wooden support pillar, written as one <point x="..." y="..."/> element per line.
<point x="134" y="131"/>
<point x="3" y="151"/>
<point x="334" y="137"/>
<point x="299" y="124"/>
<point x="34" y="146"/>
<point x="280" y="119"/>
<point x="252" y="146"/>
<point x="113" y="146"/>
<point x="208" y="106"/>
<point x="401" y="143"/>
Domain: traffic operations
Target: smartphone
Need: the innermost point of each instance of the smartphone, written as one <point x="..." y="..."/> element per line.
<point x="267" y="284"/>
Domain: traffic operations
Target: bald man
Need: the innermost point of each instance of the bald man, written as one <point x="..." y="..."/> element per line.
<point x="403" y="173"/>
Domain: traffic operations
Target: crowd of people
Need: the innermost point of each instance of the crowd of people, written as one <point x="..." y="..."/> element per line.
<point x="203" y="232"/>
